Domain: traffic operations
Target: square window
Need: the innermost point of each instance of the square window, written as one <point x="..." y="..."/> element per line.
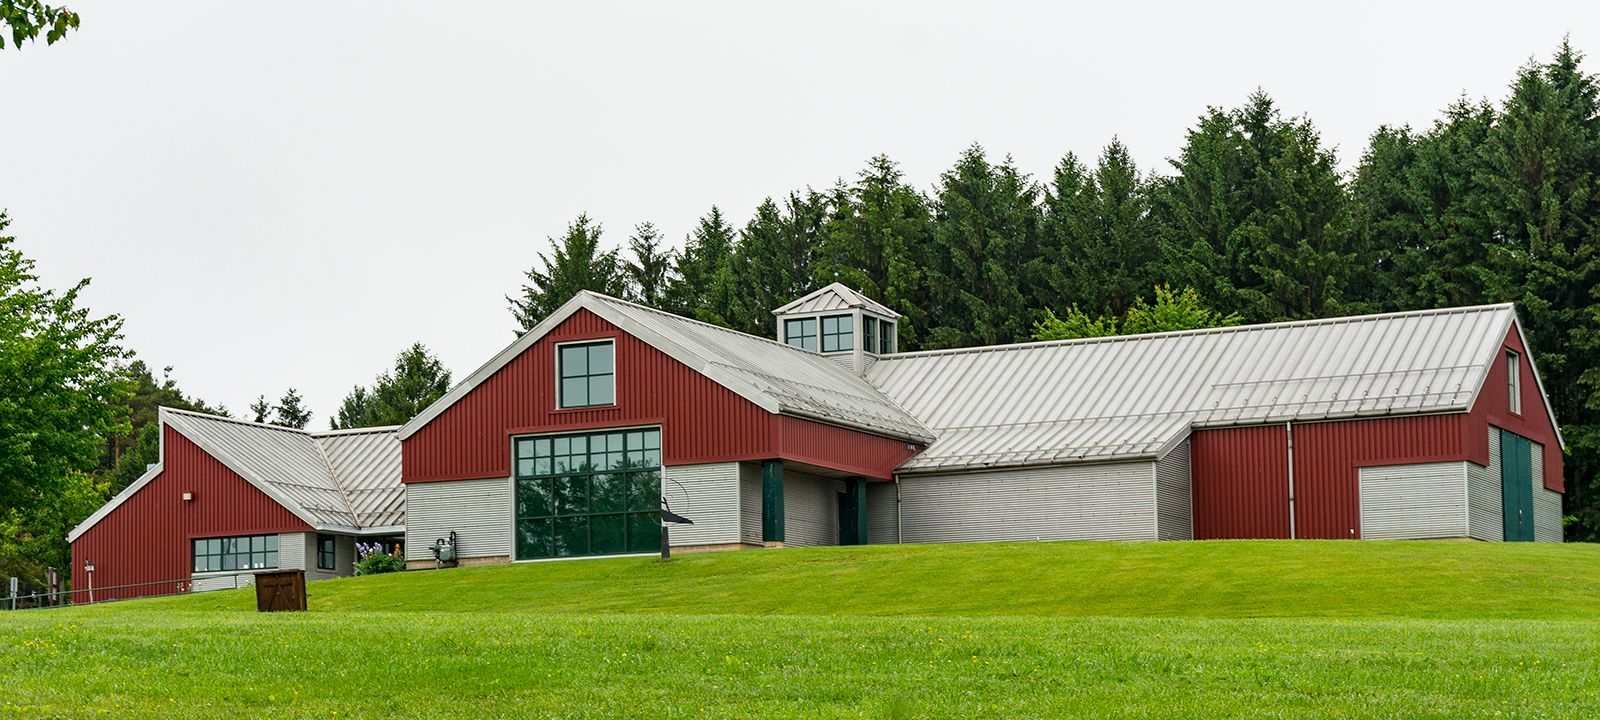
<point x="571" y="495"/>
<point x="533" y="539"/>
<point x="644" y="491"/>
<point x="533" y="498"/>
<point x="608" y="493"/>
<point x="586" y="374"/>
<point x="572" y="536"/>
<point x="801" y="333"/>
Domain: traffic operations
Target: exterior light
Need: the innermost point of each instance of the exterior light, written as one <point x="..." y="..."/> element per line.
<point x="188" y="496"/>
<point x="88" y="568"/>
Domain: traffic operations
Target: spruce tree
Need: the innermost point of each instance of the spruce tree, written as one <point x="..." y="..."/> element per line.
<point x="985" y="232"/>
<point x="774" y="258"/>
<point x="260" y="410"/>
<point x="576" y="263"/>
<point x="397" y="395"/>
<point x="703" y="286"/>
<point x="649" y="270"/>
<point x="353" y="411"/>
<point x="1098" y="249"/>
<point x="876" y="241"/>
<point x="291" y="410"/>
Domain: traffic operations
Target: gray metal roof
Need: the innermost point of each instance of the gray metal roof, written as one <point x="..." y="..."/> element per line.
<point x="775" y="376"/>
<point x="337" y="480"/>
<point x="835" y="296"/>
<point x="1137" y="396"/>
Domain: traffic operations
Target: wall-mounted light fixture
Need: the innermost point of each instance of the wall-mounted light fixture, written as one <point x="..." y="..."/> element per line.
<point x="187" y="496"/>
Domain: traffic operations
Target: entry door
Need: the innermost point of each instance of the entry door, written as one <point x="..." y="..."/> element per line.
<point x="1516" y="486"/>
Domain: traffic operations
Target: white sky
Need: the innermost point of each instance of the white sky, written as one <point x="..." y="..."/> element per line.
<point x="283" y="193"/>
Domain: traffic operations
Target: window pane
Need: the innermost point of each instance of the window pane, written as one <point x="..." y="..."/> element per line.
<point x="600" y="358"/>
<point x="272" y="543"/>
<point x="541" y="447"/>
<point x="608" y="493"/>
<point x="644" y="532"/>
<point x="572" y="536"/>
<point x="652" y="438"/>
<point x="571" y="495"/>
<point x="606" y="534"/>
<point x="574" y="392"/>
<point x="525" y="468"/>
<point x="533" y="539"/>
<point x="574" y="361"/>
<point x="533" y="498"/>
<point x="644" y="491"/>
<point x="600" y="387"/>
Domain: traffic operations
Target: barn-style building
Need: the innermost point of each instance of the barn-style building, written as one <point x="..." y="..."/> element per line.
<point x="1429" y="424"/>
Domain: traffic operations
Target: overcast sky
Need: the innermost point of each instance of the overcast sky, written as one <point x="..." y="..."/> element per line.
<point x="288" y="194"/>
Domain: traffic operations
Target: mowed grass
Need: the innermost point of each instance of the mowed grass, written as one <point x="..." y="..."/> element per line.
<point x="1212" y="629"/>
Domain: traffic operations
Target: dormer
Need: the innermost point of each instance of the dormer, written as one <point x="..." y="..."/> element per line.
<point x="841" y="324"/>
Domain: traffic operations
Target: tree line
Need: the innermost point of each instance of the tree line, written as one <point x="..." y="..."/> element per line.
<point x="1252" y="221"/>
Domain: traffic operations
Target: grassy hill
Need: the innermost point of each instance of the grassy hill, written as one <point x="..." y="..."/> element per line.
<point x="1212" y="629"/>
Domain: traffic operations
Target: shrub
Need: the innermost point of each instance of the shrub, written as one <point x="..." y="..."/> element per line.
<point x="372" y="560"/>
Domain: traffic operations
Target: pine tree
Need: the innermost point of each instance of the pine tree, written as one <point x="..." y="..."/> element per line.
<point x="774" y="258"/>
<point x="353" y="411"/>
<point x="577" y="263"/>
<point x="649" y="271"/>
<point x="986" y="231"/>
<point x="703" y="286"/>
<point x="291" y="411"/>
<point x="877" y="240"/>
<point x="397" y="395"/>
<point x="260" y="410"/>
<point x="1099" y="250"/>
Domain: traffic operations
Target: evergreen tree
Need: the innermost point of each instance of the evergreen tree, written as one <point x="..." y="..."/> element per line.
<point x="353" y="410"/>
<point x="876" y="241"/>
<point x="291" y="411"/>
<point x="577" y="263"/>
<point x="260" y="410"/>
<point x="649" y="272"/>
<point x="985" y="232"/>
<point x="773" y="260"/>
<point x="131" y="453"/>
<point x="1255" y="218"/>
<point x="703" y="285"/>
<point x="1099" y="250"/>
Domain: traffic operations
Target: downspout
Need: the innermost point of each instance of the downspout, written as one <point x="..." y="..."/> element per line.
<point x="899" y="538"/>
<point x="1288" y="432"/>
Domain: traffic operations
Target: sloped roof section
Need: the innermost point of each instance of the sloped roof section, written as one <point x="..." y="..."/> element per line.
<point x="345" y="480"/>
<point x="1137" y="396"/>
<point x="835" y="296"/>
<point x="775" y="376"/>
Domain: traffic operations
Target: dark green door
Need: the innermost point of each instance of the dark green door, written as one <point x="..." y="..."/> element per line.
<point x="1516" y="486"/>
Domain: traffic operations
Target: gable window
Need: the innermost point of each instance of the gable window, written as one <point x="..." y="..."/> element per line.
<point x="324" y="552"/>
<point x="253" y="552"/>
<point x="1514" y="381"/>
<point x="587" y="374"/>
<point x="837" y="333"/>
<point x="801" y="333"/>
<point x="869" y="334"/>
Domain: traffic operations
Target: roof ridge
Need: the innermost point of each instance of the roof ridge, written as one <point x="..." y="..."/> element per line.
<point x="1200" y="331"/>
<point x="712" y="326"/>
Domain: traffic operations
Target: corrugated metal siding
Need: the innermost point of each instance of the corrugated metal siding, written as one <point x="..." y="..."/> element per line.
<point x="1493" y="408"/>
<point x="1073" y="502"/>
<point x="296" y="552"/>
<point x="1241" y="483"/>
<point x="1174" y="520"/>
<point x="146" y="539"/>
<point x="708" y="495"/>
<point x="882" y="522"/>
<point x="1327" y="456"/>
<point x="478" y="510"/>
<point x="810" y="509"/>
<point x="1406" y="502"/>
<point x="750" y="503"/>
<point x="835" y="447"/>
<point x="1546" y="504"/>
<point x="1485" y="506"/>
<point x="1149" y="388"/>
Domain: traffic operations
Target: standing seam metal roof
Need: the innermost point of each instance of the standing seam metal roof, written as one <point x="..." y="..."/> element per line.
<point x="1137" y="396"/>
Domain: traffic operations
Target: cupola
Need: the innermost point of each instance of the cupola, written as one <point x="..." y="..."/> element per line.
<point x="839" y="323"/>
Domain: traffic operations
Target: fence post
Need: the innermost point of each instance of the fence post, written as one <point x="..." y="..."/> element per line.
<point x="53" y="586"/>
<point x="13" y="594"/>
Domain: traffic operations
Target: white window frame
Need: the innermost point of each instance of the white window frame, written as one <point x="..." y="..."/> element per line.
<point x="1514" y="382"/>
<point x="560" y="400"/>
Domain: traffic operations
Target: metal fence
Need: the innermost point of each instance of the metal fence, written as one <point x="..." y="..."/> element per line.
<point x="25" y="596"/>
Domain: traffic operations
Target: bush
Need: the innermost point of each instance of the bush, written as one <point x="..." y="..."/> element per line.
<point x="372" y="560"/>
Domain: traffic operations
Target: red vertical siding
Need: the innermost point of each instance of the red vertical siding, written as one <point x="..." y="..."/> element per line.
<point x="1240" y="483"/>
<point x="146" y="539"/>
<point x="1534" y="423"/>
<point x="1328" y="457"/>
<point x="701" y="420"/>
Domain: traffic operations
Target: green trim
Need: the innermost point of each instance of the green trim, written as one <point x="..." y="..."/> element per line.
<point x="772" y="500"/>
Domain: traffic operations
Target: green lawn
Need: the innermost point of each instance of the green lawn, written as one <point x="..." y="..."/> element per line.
<point x="1211" y="629"/>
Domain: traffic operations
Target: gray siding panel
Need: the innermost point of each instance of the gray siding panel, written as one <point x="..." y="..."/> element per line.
<point x="296" y="552"/>
<point x="1174" y="506"/>
<point x="1546" y="503"/>
<point x="1403" y="502"/>
<point x="882" y="524"/>
<point x="1075" y="502"/>
<point x="750" y="502"/>
<point x="710" y="496"/>
<point x="479" y="511"/>
<point x="810" y="509"/>
<point x="207" y="583"/>
<point x="1484" y="503"/>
